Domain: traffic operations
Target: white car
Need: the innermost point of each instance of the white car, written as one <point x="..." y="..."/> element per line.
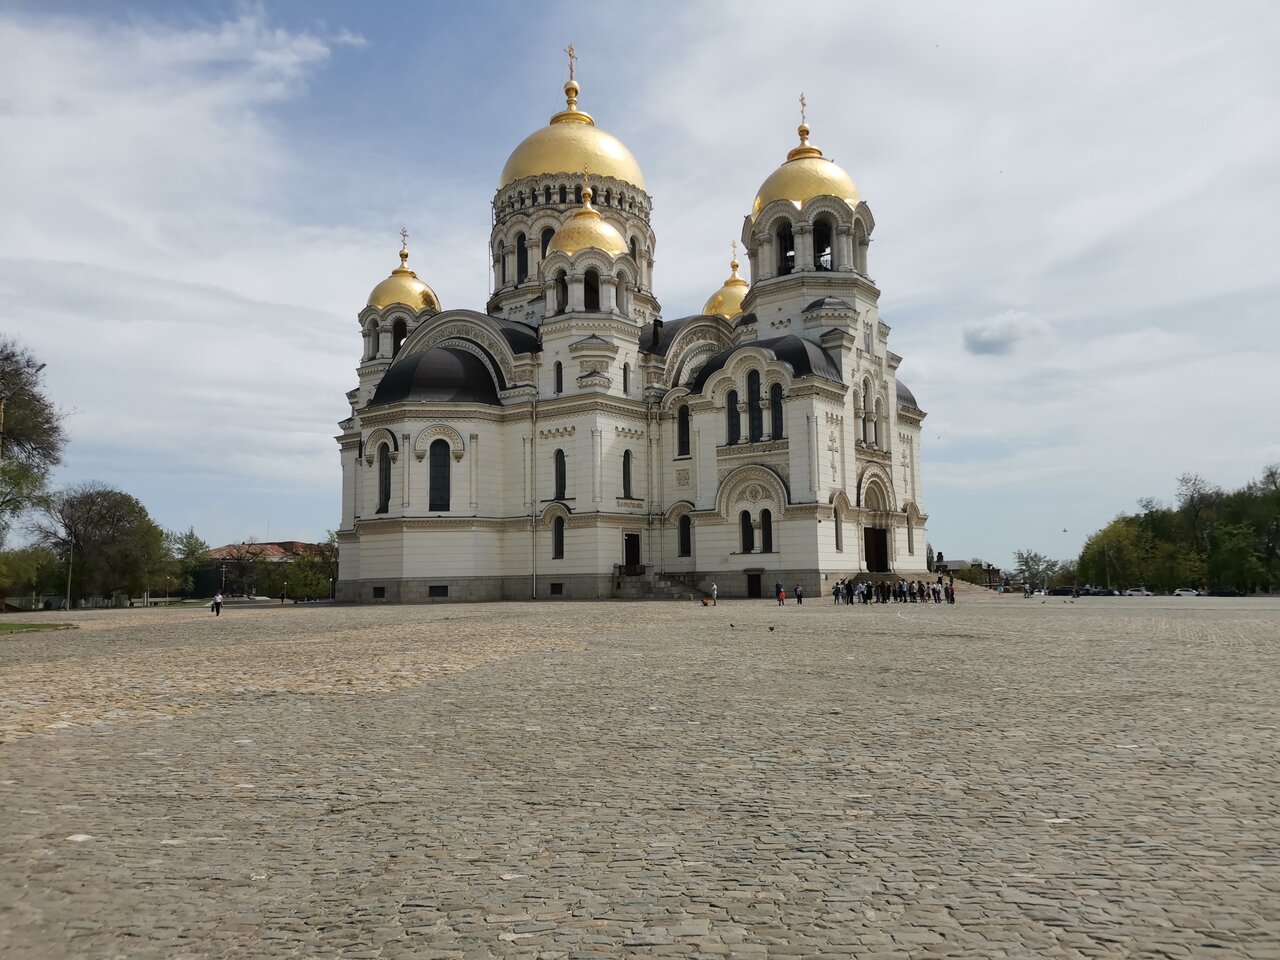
<point x="1138" y="592"/>
<point x="1186" y="592"/>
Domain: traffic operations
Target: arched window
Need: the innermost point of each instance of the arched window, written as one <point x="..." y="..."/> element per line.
<point x="786" y="244"/>
<point x="577" y="194"/>
<point x="548" y="233"/>
<point x="522" y="259"/>
<point x="608" y="197"/>
<point x="619" y="286"/>
<point x="562" y="476"/>
<point x="775" y="412"/>
<point x="438" y="475"/>
<point x="626" y="379"/>
<point x="685" y="546"/>
<point x="911" y="537"/>
<point x="733" y="424"/>
<point x="384" y="478"/>
<point x="564" y="194"/>
<point x="635" y="251"/>
<point x="546" y="195"/>
<point x="860" y="248"/>
<point x="522" y="198"/>
<point x="766" y="531"/>
<point x="823" y="251"/>
<point x="746" y="532"/>
<point x="839" y="522"/>
<point x="875" y="425"/>
<point x="557" y="539"/>
<point x="397" y="336"/>
<point x="370" y="341"/>
<point x="755" y="413"/>
<point x="502" y="265"/>
<point x="626" y="474"/>
<point x="559" y="370"/>
<point x="562" y="292"/>
<point x="682" y="431"/>
<point x="591" y="290"/>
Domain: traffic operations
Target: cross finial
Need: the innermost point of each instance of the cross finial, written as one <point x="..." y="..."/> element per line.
<point x="572" y="57"/>
<point x="404" y="238"/>
<point x="802" y="106"/>
<point x="734" y="244"/>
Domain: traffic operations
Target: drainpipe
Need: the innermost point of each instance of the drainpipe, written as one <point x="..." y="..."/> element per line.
<point x="533" y="499"/>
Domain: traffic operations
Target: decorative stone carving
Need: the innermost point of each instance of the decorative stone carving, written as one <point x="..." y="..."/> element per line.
<point x="434" y="432"/>
<point x="682" y="477"/>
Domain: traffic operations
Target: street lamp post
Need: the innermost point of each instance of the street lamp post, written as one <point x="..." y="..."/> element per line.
<point x="331" y="588"/>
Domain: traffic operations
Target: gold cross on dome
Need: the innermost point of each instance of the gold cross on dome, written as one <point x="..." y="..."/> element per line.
<point x="572" y="57"/>
<point x="404" y="237"/>
<point x="802" y="106"/>
<point x="734" y="244"/>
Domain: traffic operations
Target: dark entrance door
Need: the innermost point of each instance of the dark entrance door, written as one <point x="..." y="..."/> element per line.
<point x="876" y="549"/>
<point x="753" y="585"/>
<point x="631" y="549"/>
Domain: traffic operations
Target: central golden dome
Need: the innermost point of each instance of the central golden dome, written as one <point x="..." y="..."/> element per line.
<point x="585" y="230"/>
<point x="805" y="175"/>
<point x="727" y="301"/>
<point x="570" y="144"/>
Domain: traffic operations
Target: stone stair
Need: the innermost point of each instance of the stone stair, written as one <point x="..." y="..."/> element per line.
<point x="655" y="586"/>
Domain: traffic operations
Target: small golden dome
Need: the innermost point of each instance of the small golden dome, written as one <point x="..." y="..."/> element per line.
<point x="404" y="287"/>
<point x="727" y="301"/>
<point x="569" y="144"/>
<point x="586" y="229"/>
<point x="805" y="174"/>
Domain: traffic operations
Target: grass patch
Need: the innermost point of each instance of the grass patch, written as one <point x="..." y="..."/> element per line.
<point x="6" y="628"/>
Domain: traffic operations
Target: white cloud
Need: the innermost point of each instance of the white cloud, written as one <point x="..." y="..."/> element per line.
<point x="1000" y="334"/>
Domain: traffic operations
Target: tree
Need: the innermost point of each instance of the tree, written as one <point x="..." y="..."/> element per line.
<point x="25" y="571"/>
<point x="1032" y="567"/>
<point x="31" y="434"/>
<point x="189" y="553"/>
<point x="106" y="536"/>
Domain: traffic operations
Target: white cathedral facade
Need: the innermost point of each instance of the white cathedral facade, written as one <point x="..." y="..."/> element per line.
<point x="566" y="441"/>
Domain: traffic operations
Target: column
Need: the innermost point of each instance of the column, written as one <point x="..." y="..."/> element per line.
<point x="406" y="455"/>
<point x="812" y="430"/>
<point x="804" y="247"/>
<point x="475" y="469"/>
<point x="597" y="454"/>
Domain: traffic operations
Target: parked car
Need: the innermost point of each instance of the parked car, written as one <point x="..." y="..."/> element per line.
<point x="1225" y="592"/>
<point x="1062" y="591"/>
<point x="1186" y="592"/>
<point x="1104" y="592"/>
<point x="1138" y="592"/>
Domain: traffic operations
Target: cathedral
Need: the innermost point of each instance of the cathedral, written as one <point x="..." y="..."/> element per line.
<point x="567" y="441"/>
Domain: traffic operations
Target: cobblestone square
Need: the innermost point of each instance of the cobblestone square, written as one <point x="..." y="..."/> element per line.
<point x="1003" y="778"/>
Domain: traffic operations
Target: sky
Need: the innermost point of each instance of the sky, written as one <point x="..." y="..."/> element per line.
<point x="1075" y="202"/>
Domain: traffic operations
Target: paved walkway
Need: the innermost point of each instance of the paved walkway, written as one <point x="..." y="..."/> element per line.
<point x="1010" y="779"/>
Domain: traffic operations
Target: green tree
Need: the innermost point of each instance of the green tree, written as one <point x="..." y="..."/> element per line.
<point x="31" y="434"/>
<point x="106" y="537"/>
<point x="189" y="552"/>
<point x="1033" y="568"/>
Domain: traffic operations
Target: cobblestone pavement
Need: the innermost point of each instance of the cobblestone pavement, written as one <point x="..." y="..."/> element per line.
<point x="1006" y="779"/>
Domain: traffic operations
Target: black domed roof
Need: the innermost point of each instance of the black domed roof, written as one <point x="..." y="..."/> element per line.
<point x="805" y="358"/>
<point x="445" y="374"/>
<point x="828" y="303"/>
<point x="906" y="396"/>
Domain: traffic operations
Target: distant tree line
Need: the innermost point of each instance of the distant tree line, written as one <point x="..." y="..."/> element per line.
<point x="1209" y="538"/>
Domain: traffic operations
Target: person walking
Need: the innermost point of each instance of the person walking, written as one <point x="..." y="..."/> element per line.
<point x="777" y="591"/>
<point x="216" y="606"/>
<point x="715" y="592"/>
<point x="799" y="593"/>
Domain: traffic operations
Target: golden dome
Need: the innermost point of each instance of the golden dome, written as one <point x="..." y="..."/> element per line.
<point x="404" y="287"/>
<point x="806" y="174"/>
<point x="569" y="144"/>
<point x="585" y="229"/>
<point x="727" y="301"/>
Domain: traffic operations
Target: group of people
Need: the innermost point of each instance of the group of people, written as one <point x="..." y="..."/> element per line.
<point x="885" y="591"/>
<point x="780" y="593"/>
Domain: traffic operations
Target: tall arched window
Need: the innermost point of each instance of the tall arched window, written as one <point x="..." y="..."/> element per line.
<point x="685" y="545"/>
<point x="775" y="412"/>
<point x="398" y="332"/>
<point x="548" y="233"/>
<point x="626" y="474"/>
<point x="438" y="475"/>
<point x="502" y="265"/>
<point x="875" y="425"/>
<point x="766" y="531"/>
<point x="608" y="197"/>
<point x="619" y="288"/>
<point x="591" y="290"/>
<point x="577" y="194"/>
<point x="911" y="537"/>
<point x="823" y="251"/>
<point x="635" y="251"/>
<point x="839" y="522"/>
<point x="562" y="292"/>
<point x="626" y="379"/>
<point x="559" y="369"/>
<point x="546" y="194"/>
<point x="733" y="424"/>
<point x="746" y="533"/>
<point x="564" y="194"/>
<point x="522" y="258"/>
<point x="755" y="414"/>
<point x="786" y="244"/>
<point x="384" y="478"/>
<point x="562" y="476"/>
<point x="860" y="248"/>
<point x="682" y="431"/>
<point x="557" y="538"/>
